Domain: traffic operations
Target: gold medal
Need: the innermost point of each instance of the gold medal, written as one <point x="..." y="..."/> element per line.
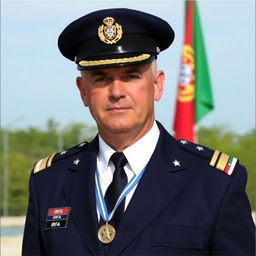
<point x="106" y="233"/>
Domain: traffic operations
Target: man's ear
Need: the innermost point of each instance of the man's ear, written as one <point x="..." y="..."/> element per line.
<point x="81" y="87"/>
<point x="159" y="85"/>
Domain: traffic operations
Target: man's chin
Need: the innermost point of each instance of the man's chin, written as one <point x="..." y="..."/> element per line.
<point x="120" y="127"/>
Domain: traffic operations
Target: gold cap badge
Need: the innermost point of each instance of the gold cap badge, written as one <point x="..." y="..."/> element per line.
<point x="111" y="32"/>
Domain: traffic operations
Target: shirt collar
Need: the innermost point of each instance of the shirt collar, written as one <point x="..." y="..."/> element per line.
<point x="105" y="152"/>
<point x="137" y="154"/>
<point x="141" y="151"/>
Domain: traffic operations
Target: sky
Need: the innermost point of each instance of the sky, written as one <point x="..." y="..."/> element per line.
<point x="38" y="83"/>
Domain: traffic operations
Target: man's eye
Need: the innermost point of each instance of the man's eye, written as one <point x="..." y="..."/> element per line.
<point x="101" y="79"/>
<point x="132" y="77"/>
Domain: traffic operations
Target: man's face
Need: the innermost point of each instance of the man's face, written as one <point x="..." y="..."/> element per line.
<point x="121" y="99"/>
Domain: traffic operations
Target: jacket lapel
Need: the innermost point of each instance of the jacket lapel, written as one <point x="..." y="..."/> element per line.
<point x="157" y="189"/>
<point x="79" y="193"/>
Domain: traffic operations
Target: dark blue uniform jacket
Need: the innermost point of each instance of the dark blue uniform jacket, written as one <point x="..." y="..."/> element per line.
<point x="182" y="206"/>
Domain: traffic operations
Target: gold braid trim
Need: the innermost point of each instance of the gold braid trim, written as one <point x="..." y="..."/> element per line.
<point x="214" y="158"/>
<point x="43" y="163"/>
<point x="89" y="63"/>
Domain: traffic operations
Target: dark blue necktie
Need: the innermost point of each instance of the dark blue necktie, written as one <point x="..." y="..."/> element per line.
<point x="116" y="187"/>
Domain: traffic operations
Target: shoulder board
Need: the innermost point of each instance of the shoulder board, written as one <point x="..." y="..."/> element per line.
<point x="70" y="151"/>
<point x="49" y="160"/>
<point x="217" y="159"/>
<point x="43" y="163"/>
<point x="223" y="162"/>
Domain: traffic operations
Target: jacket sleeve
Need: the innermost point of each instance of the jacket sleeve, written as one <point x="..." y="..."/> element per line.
<point x="235" y="230"/>
<point x="31" y="238"/>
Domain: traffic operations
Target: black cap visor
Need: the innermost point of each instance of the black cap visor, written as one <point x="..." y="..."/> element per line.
<point x="132" y="49"/>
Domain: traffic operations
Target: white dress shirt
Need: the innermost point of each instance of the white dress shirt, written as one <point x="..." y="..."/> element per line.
<point x="137" y="156"/>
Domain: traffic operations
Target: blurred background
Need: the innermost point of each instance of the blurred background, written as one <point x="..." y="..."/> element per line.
<point x="41" y="110"/>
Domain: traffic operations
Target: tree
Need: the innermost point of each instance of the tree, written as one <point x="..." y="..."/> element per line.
<point x="29" y="145"/>
<point x="242" y="147"/>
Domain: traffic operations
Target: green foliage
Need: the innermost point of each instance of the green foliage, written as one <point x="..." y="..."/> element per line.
<point x="28" y="146"/>
<point x="18" y="182"/>
<point x="242" y="147"/>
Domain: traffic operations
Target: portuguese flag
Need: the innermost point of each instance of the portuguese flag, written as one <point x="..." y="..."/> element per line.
<point x="194" y="96"/>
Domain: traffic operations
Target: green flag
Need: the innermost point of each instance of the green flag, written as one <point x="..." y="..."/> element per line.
<point x="203" y="92"/>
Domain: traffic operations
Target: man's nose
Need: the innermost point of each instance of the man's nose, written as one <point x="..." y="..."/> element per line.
<point x="117" y="89"/>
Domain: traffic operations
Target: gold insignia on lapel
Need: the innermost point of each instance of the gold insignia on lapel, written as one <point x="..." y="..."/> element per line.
<point x="223" y="162"/>
<point x="43" y="163"/>
<point x="111" y="32"/>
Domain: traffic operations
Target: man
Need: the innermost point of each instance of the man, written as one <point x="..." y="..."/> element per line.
<point x="134" y="190"/>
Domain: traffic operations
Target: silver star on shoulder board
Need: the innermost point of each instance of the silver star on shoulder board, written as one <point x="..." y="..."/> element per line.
<point x="76" y="162"/>
<point x="183" y="142"/>
<point x="82" y="144"/>
<point x="176" y="163"/>
<point x="199" y="148"/>
<point x="63" y="152"/>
